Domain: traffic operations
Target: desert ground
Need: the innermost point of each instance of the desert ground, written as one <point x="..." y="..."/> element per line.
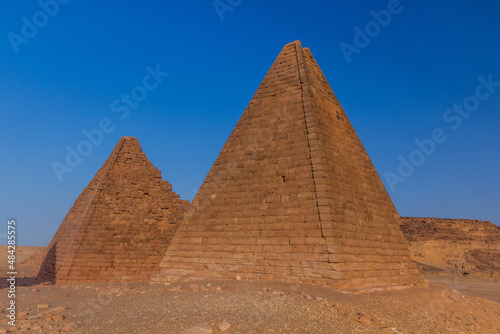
<point x="450" y="305"/>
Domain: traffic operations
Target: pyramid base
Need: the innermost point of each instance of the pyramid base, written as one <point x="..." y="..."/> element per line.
<point x="367" y="284"/>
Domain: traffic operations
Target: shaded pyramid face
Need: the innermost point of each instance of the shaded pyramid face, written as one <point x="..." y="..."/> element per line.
<point x="119" y="227"/>
<point x="293" y="195"/>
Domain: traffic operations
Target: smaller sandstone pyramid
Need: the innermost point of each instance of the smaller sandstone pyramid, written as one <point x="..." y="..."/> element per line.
<point x="119" y="227"/>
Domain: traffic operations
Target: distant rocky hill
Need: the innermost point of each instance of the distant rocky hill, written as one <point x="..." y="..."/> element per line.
<point x="454" y="246"/>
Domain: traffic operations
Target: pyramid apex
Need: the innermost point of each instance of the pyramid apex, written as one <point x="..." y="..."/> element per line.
<point x="128" y="138"/>
<point x="297" y="43"/>
<point x="129" y="142"/>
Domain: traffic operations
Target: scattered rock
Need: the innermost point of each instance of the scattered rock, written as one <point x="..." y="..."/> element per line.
<point x="58" y="309"/>
<point x="238" y="277"/>
<point x="25" y="325"/>
<point x="67" y="329"/>
<point x="199" y="329"/>
<point x="224" y="326"/>
<point x="342" y="311"/>
<point x="194" y="287"/>
<point x="21" y="315"/>
<point x="42" y="306"/>
<point x="364" y="319"/>
<point x="318" y="299"/>
<point x="58" y="318"/>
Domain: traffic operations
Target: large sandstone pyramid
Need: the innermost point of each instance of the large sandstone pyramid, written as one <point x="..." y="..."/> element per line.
<point x="119" y="227"/>
<point x="293" y="195"/>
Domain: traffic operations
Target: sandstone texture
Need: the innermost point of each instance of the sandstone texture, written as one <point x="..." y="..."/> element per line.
<point x="293" y="195"/>
<point x="120" y="225"/>
<point x="457" y="246"/>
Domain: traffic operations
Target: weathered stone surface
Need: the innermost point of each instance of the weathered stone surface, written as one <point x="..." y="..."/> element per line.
<point x="293" y="195"/>
<point x="120" y="225"/>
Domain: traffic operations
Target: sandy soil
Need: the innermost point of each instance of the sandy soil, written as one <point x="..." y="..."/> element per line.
<point x="208" y="306"/>
<point x="483" y="288"/>
<point x="22" y="252"/>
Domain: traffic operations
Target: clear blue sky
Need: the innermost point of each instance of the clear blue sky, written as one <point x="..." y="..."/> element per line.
<point x="396" y="89"/>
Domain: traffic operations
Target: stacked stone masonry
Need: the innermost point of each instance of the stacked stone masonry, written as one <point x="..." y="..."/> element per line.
<point x="119" y="227"/>
<point x="293" y="195"/>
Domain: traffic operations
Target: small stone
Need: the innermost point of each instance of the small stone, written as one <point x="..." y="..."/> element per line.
<point x="66" y="295"/>
<point x="58" y="318"/>
<point x="318" y="299"/>
<point x="58" y="309"/>
<point x="194" y="287"/>
<point x="342" y="311"/>
<point x="67" y="329"/>
<point x="224" y="326"/>
<point x="36" y="328"/>
<point x="199" y="329"/>
<point x="42" y="306"/>
<point x="21" y="315"/>
<point x="364" y="319"/>
<point x="34" y="290"/>
<point x="308" y="297"/>
<point x="238" y="277"/>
